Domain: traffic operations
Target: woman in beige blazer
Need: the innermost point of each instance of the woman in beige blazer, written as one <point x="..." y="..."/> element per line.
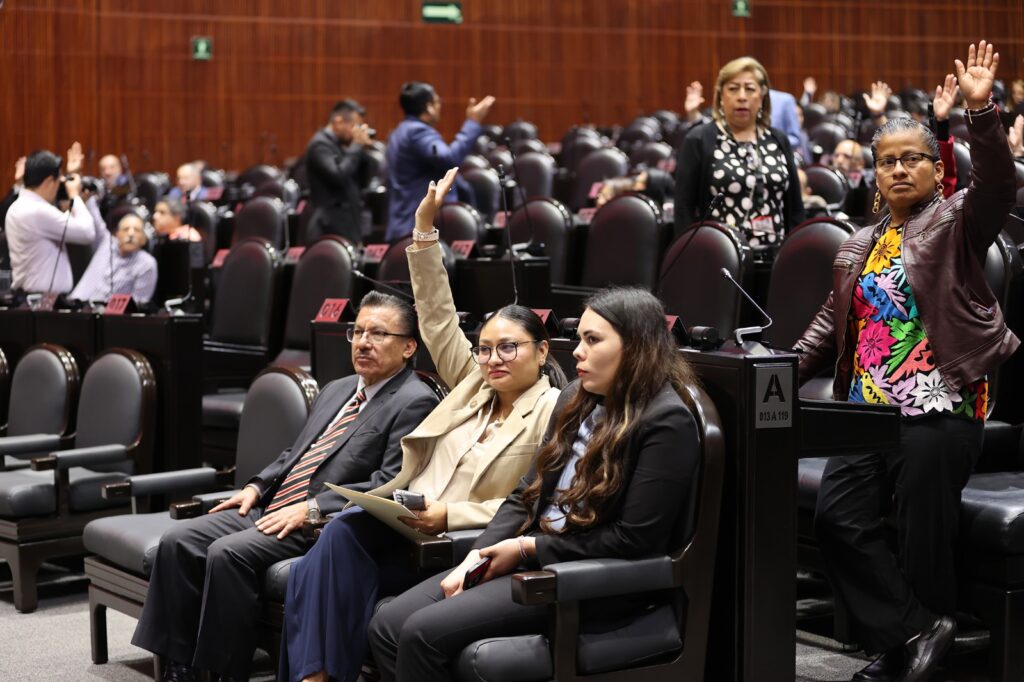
<point x="464" y="458"/>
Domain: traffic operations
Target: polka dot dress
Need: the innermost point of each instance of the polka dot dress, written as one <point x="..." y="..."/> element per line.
<point x="754" y="179"/>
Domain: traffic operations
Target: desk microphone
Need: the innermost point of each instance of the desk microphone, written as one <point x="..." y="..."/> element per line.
<point x="508" y="235"/>
<point x="715" y="202"/>
<point x="131" y="176"/>
<point x="522" y="194"/>
<point x="60" y="247"/>
<point x="741" y="331"/>
<point x="382" y="285"/>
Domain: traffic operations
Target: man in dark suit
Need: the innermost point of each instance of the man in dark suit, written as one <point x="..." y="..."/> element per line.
<point x="203" y="598"/>
<point x="334" y="161"/>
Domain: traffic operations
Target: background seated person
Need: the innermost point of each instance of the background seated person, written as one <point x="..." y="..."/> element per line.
<point x="465" y="458"/>
<point x="38" y="232"/>
<point x="651" y="182"/>
<point x="203" y="597"/>
<point x="169" y="218"/>
<point x="119" y="266"/>
<point x="613" y="479"/>
<point x="190" y="187"/>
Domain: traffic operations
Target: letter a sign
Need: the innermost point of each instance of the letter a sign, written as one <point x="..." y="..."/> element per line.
<point x="773" y="392"/>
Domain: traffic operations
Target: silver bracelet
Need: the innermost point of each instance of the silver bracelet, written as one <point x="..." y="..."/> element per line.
<point x="431" y="236"/>
<point x="522" y="549"/>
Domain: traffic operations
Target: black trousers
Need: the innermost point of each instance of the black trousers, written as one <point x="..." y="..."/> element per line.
<point x="892" y="596"/>
<point x="204" y="590"/>
<point x="417" y="636"/>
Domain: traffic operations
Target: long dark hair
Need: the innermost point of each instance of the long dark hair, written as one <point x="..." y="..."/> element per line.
<point x="534" y="327"/>
<point x="649" y="358"/>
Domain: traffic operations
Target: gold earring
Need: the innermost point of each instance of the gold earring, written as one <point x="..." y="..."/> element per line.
<point x="875" y="207"/>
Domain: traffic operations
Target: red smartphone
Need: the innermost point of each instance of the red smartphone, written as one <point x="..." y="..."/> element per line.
<point x="475" y="575"/>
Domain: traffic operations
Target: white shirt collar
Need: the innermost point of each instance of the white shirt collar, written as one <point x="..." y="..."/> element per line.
<point x="373" y="390"/>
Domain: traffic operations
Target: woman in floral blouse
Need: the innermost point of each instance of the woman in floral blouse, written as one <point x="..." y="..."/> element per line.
<point x="911" y="322"/>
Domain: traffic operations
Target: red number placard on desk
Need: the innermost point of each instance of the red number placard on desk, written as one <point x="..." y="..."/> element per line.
<point x="332" y="310"/>
<point x="218" y="258"/>
<point x="119" y="304"/>
<point x="294" y="254"/>
<point x="463" y="247"/>
<point x="500" y="219"/>
<point x="374" y="253"/>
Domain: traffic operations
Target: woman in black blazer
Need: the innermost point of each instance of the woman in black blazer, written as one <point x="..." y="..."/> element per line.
<point x="616" y="474"/>
<point x="740" y="157"/>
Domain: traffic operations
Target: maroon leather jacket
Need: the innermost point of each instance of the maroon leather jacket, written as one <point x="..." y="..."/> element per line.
<point x="944" y="248"/>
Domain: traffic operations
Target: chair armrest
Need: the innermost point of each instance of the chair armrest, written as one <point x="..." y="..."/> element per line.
<point x="32" y="443"/>
<point x="447" y="550"/>
<point x="593" y="579"/>
<point x="199" y="504"/>
<point x="162" y="483"/>
<point x="81" y="457"/>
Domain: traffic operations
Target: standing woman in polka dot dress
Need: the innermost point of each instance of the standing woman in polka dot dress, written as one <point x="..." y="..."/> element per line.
<point x="739" y="155"/>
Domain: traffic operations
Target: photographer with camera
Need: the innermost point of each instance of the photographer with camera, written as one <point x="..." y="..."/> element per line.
<point x="37" y="230"/>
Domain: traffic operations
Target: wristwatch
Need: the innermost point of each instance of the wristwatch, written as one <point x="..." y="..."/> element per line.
<point x="431" y="236"/>
<point x="313" y="511"/>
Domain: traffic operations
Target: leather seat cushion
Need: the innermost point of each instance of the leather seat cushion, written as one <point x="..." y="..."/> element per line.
<point x="223" y="410"/>
<point x="129" y="541"/>
<point x="523" y="659"/>
<point x="809" y="472"/>
<point x="635" y="641"/>
<point x="31" y="493"/>
<point x="992" y="512"/>
<point x="275" y="582"/>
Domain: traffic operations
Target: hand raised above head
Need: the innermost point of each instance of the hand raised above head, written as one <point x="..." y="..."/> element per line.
<point x="477" y="111"/>
<point x="879" y="97"/>
<point x="945" y="97"/>
<point x="19" y="170"/>
<point x="75" y="158"/>
<point x="433" y="199"/>
<point x="977" y="74"/>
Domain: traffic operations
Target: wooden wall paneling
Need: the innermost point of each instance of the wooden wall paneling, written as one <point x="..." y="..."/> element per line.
<point x="118" y="74"/>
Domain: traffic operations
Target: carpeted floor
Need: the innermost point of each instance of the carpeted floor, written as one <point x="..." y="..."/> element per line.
<point x="52" y="643"/>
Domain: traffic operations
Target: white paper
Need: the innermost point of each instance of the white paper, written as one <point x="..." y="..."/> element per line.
<point x="384" y="510"/>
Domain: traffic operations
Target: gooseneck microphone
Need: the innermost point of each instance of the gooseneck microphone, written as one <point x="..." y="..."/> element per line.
<point x="743" y="331"/>
<point x="715" y="201"/>
<point x="508" y="236"/>
<point x="60" y="247"/>
<point x="382" y="285"/>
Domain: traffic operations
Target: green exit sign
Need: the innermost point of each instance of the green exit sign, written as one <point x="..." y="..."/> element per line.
<point x="741" y="8"/>
<point x="442" y="12"/>
<point x="202" y="48"/>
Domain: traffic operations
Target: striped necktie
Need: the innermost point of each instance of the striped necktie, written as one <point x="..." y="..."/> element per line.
<point x="296" y="484"/>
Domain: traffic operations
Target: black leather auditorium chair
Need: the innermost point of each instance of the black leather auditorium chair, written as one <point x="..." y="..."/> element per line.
<point x="43" y="510"/>
<point x="535" y="174"/>
<point x="123" y="549"/>
<point x="624" y="243"/>
<point x="691" y="284"/>
<point x="459" y="222"/>
<point x="545" y="221"/>
<point x="263" y="217"/>
<point x="598" y="166"/>
<point x="668" y="640"/>
<point x="487" y="191"/>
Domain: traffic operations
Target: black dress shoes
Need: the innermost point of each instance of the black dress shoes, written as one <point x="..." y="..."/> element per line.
<point x="886" y="668"/>
<point x="179" y="672"/>
<point x="926" y="652"/>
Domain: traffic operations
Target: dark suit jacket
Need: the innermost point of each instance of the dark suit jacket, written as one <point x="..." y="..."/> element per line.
<point x="369" y="454"/>
<point x="654" y="507"/>
<point x="334" y="176"/>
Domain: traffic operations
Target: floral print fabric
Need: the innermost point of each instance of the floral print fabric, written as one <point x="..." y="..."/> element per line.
<point x="892" y="361"/>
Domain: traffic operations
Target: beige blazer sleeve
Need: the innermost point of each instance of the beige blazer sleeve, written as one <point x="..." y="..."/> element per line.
<point x="435" y="307"/>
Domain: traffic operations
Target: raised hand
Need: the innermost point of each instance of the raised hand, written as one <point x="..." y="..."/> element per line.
<point x="1015" y="136"/>
<point x="945" y="96"/>
<point x="75" y="158"/>
<point x="810" y="86"/>
<point x="19" y="170"/>
<point x="436" y="192"/>
<point x="977" y="74"/>
<point x="477" y="111"/>
<point x="879" y="97"/>
<point x="694" y="98"/>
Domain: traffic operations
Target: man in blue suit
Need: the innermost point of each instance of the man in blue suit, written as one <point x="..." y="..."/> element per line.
<point x="417" y="153"/>
<point x="786" y="117"/>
